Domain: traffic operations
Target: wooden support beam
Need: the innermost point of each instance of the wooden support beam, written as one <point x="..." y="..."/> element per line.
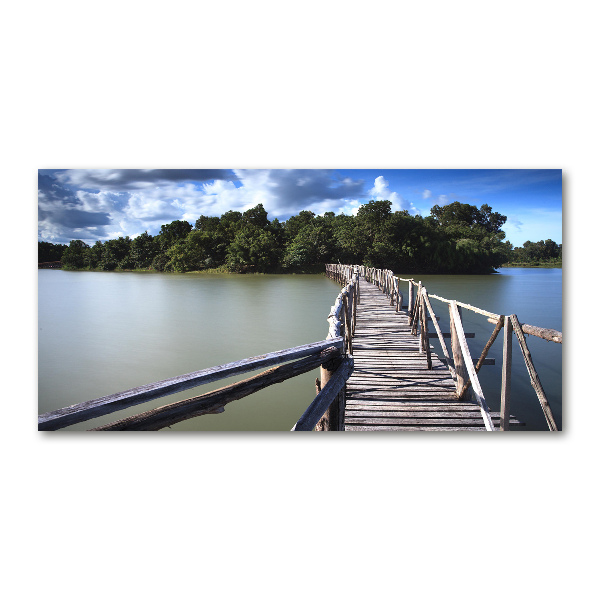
<point x="533" y="376"/>
<point x="506" y="375"/>
<point x="459" y="364"/>
<point x="424" y="332"/>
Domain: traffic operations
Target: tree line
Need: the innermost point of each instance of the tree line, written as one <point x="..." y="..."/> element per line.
<point x="456" y="238"/>
<point x="537" y="254"/>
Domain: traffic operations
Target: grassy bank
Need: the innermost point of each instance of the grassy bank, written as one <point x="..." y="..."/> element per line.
<point x="535" y="265"/>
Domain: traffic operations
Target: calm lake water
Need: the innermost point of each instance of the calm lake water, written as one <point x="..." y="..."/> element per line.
<point x="101" y="333"/>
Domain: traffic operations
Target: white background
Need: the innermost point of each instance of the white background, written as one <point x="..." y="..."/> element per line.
<point x="317" y="84"/>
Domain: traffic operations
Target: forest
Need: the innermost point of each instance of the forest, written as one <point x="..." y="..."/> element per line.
<point x="455" y="238"/>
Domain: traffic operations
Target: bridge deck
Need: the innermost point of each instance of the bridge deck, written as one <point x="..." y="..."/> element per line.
<point x="391" y="387"/>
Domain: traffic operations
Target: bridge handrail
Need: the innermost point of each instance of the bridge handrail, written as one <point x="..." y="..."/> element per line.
<point x="84" y="411"/>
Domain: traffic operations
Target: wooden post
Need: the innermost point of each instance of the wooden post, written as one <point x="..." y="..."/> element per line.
<point x="425" y="331"/>
<point x="410" y="300"/>
<point x="333" y="418"/>
<point x="506" y="373"/>
<point x="533" y="376"/>
<point x="416" y="310"/>
<point x="462" y="376"/>
<point x="354" y="303"/>
<point x="347" y="325"/>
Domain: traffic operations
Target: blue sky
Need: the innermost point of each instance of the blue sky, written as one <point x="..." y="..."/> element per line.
<point x="101" y="204"/>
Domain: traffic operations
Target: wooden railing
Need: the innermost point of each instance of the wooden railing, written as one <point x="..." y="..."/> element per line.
<point x="464" y="370"/>
<point x="324" y="413"/>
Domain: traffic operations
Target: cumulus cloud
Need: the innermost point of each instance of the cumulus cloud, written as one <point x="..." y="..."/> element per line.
<point x="285" y="192"/>
<point x="426" y="194"/>
<point x="381" y="191"/>
<point x="63" y="215"/>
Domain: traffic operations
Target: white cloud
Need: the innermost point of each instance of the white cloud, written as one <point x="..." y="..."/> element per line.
<point x="426" y="194"/>
<point x="381" y="191"/>
<point x="98" y="202"/>
<point x="513" y="223"/>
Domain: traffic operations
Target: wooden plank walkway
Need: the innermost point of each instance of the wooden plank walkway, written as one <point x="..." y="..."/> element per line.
<point x="391" y="387"/>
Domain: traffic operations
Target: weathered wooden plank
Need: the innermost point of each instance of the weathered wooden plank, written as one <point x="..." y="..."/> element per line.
<point x="401" y="378"/>
<point x="351" y="420"/>
<point x="391" y="428"/>
<point x="84" y="411"/>
<point x="396" y="394"/>
<point x="425" y="412"/>
<point x="409" y="404"/>
<point x="399" y="369"/>
<point x="379" y="411"/>
<point x="431" y="384"/>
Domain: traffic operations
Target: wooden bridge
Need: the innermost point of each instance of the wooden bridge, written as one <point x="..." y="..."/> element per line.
<point x="54" y="264"/>
<point x="377" y="369"/>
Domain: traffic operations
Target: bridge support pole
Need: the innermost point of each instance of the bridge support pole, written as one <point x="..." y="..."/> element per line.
<point x="463" y="392"/>
<point x="333" y="418"/>
<point x="506" y="372"/>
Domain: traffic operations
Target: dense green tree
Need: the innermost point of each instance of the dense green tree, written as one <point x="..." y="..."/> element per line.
<point x="143" y="250"/>
<point x="198" y="250"/>
<point x="313" y="245"/>
<point x="253" y="249"/>
<point x="469" y="221"/>
<point x="115" y="254"/>
<point x="534" y="253"/>
<point x="93" y="255"/>
<point x="296" y="222"/>
<point x="348" y="248"/>
<point x="171" y="233"/>
<point x="74" y="255"/>
<point x="207" y="224"/>
<point x="256" y="216"/>
<point x="49" y="252"/>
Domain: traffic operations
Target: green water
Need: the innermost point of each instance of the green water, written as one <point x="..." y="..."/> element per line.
<point x="101" y="333"/>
